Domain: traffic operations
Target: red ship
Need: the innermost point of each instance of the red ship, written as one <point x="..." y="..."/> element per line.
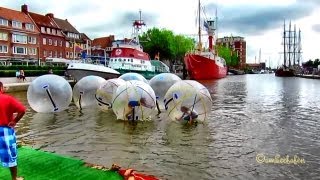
<point x="204" y="65"/>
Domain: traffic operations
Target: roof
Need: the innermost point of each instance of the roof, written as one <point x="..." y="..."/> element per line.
<point x="10" y="14"/>
<point x="65" y="25"/>
<point x="43" y="20"/>
<point x="103" y="42"/>
<point x="84" y="36"/>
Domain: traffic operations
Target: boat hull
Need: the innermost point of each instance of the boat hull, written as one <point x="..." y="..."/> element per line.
<point x="202" y="68"/>
<point x="79" y="70"/>
<point x="284" y="72"/>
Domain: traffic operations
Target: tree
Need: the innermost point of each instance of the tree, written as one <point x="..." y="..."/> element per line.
<point x="170" y="46"/>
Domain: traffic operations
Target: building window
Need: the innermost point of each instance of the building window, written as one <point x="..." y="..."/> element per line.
<point x="67" y="44"/>
<point x="67" y="54"/>
<point x="17" y="38"/>
<point x="50" y="53"/>
<point x="32" y="51"/>
<point x="59" y="32"/>
<point x="30" y="27"/>
<point x="17" y="24"/>
<point x="55" y="54"/>
<point x="60" y="43"/>
<point x="48" y="30"/>
<point x="19" y="50"/>
<point x="71" y="55"/>
<point x="60" y="54"/>
<point x="50" y="41"/>
<point x="4" y="36"/>
<point x="44" y="53"/>
<point x="55" y="42"/>
<point x="44" y="41"/>
<point x="43" y="29"/>
<point x="32" y="40"/>
<point x="3" y="22"/>
<point x="3" y="49"/>
<point x="54" y="31"/>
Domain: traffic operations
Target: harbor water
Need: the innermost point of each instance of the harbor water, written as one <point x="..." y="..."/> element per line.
<point x="260" y="127"/>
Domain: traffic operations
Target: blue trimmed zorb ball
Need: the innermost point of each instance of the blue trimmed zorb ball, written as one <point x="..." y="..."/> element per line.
<point x="49" y="93"/>
<point x="161" y="83"/>
<point x="190" y="94"/>
<point x="84" y="91"/>
<point x="131" y="94"/>
<point x="133" y="76"/>
<point x="104" y="94"/>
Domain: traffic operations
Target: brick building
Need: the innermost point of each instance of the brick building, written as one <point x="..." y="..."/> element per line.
<point x="19" y="37"/>
<point x="86" y="45"/>
<point x="102" y="45"/>
<point x="52" y="42"/>
<point x="73" y="41"/>
<point x="236" y="44"/>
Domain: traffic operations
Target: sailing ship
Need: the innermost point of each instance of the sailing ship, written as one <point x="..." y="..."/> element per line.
<point x="128" y="56"/>
<point x="201" y="64"/>
<point x="291" y="52"/>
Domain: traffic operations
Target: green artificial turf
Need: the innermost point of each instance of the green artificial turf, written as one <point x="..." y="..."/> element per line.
<point x="39" y="165"/>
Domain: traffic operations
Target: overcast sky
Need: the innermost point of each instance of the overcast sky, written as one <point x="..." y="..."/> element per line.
<point x="259" y="21"/>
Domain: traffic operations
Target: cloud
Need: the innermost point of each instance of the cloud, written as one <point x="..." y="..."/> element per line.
<point x="316" y="28"/>
<point x="255" y="20"/>
<point x="120" y="25"/>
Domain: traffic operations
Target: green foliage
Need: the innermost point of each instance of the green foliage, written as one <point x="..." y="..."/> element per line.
<point x="18" y="67"/>
<point x="230" y="57"/>
<point x="10" y="71"/>
<point x="310" y="63"/>
<point x="166" y="43"/>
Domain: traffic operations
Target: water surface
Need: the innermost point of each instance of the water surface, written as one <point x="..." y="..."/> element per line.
<point x="251" y="115"/>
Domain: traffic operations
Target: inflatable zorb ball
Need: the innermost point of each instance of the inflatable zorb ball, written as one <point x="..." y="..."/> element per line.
<point x="133" y="76"/>
<point x="161" y="83"/>
<point x="134" y="100"/>
<point x="49" y="93"/>
<point x="105" y="93"/>
<point x="85" y="89"/>
<point x="190" y="94"/>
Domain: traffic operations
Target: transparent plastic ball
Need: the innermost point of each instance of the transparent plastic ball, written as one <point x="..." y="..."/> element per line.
<point x="49" y="93"/>
<point x="161" y="83"/>
<point x="133" y="76"/>
<point x="134" y="100"/>
<point x="188" y="95"/>
<point x="106" y="91"/>
<point x="85" y="89"/>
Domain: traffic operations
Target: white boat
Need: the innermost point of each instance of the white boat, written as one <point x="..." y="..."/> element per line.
<point x="80" y="70"/>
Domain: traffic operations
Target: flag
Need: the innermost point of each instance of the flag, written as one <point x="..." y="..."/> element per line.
<point x="78" y="47"/>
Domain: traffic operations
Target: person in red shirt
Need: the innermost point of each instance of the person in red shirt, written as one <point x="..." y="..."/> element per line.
<point x="9" y="106"/>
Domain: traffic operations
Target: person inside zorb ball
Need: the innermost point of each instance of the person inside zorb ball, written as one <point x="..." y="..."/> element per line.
<point x="134" y="101"/>
<point x="188" y="101"/>
<point x="49" y="93"/>
<point x="106" y="91"/>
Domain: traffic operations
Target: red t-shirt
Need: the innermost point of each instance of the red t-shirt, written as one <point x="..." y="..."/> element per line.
<point x="8" y="106"/>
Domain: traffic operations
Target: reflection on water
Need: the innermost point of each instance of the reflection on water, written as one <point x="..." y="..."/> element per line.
<point x="251" y="114"/>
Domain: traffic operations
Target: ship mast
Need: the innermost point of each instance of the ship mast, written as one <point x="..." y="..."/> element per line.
<point x="137" y="25"/>
<point x="294" y="45"/>
<point x="284" y="44"/>
<point x="199" y="30"/>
